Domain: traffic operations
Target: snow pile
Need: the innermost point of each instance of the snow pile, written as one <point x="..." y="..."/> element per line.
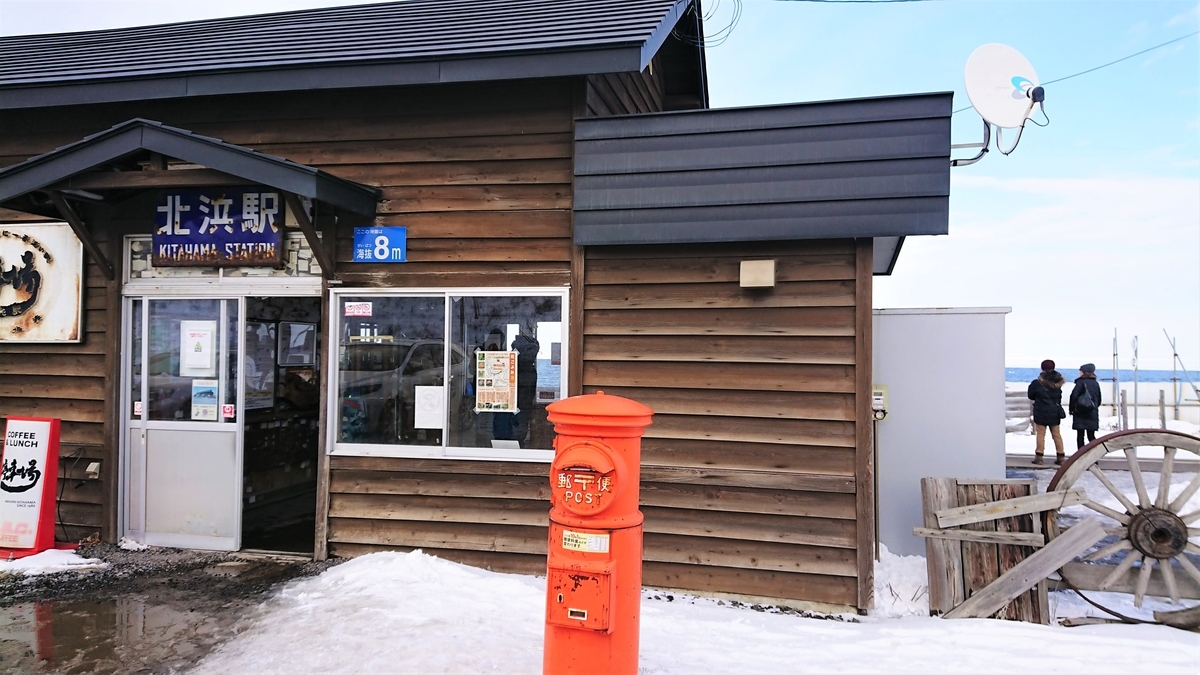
<point x="399" y="613"/>
<point x="52" y="561"/>
<point x="901" y="585"/>
<point x="127" y="544"/>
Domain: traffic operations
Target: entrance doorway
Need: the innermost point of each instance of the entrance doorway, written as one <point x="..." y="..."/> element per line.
<point x="222" y="421"/>
<point x="282" y="414"/>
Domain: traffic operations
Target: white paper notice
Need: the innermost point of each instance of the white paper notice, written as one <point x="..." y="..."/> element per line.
<point x="197" y="348"/>
<point x="430" y="407"/>
<point x="26" y="444"/>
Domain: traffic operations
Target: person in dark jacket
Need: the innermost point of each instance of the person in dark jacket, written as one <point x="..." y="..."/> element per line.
<point x="1046" y="394"/>
<point x="1084" y="418"/>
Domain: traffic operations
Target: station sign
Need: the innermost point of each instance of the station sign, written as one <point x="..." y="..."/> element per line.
<point x="380" y="245"/>
<point x="219" y="227"/>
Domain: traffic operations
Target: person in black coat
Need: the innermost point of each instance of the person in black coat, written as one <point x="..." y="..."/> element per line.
<point x="1046" y="394"/>
<point x="1084" y="418"/>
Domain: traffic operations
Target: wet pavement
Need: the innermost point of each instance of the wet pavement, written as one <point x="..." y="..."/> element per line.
<point x="154" y="611"/>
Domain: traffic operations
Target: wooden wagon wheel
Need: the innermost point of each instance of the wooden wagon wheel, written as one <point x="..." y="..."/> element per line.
<point x="1151" y="527"/>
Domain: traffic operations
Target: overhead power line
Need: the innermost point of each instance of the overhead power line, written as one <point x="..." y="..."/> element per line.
<point x="1082" y="72"/>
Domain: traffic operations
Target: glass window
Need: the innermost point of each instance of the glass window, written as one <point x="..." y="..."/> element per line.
<point x="389" y="348"/>
<point x="485" y="395"/>
<point x="135" y="358"/>
<point x="184" y="360"/>
<point x="531" y="329"/>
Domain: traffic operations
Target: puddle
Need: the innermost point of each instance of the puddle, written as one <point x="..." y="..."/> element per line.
<point x="121" y="635"/>
<point x="154" y="611"/>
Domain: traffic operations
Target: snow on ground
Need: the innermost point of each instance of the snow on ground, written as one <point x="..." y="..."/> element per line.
<point x="51" y="562"/>
<point x="901" y="585"/>
<point x="127" y="544"/>
<point x="400" y="613"/>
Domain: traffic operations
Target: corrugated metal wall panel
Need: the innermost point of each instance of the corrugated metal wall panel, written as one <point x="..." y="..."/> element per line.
<point x="864" y="168"/>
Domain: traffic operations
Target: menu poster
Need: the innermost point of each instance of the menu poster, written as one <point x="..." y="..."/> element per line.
<point x="496" y="382"/>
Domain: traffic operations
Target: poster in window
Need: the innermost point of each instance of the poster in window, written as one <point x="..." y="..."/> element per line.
<point x="260" y="365"/>
<point x="496" y="382"/>
<point x="297" y="343"/>
<point x="41" y="278"/>
<point x="204" y="400"/>
<point x="197" y="348"/>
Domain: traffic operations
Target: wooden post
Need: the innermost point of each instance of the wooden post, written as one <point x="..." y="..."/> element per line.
<point x="1124" y="412"/>
<point x="1030" y="571"/>
<point x="944" y="556"/>
<point x="980" y="562"/>
<point x="1023" y="607"/>
<point x="1162" y="409"/>
<point x="89" y="243"/>
<point x="864" y="446"/>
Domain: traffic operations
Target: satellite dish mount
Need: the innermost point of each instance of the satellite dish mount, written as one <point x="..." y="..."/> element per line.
<point x="1004" y="90"/>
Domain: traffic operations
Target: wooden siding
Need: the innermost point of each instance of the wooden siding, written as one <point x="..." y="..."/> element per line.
<point x="756" y="440"/>
<point x="751" y="471"/>
<point x="480" y="175"/>
<point x="67" y="381"/>
<point x="626" y="93"/>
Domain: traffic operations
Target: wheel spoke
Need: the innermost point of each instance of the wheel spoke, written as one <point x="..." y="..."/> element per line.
<point x="1189" y="568"/>
<point x="1182" y="498"/>
<point x="1143" y="581"/>
<point x="1129" y="507"/>
<point x="1120" y="570"/>
<point x="1187" y="518"/>
<point x="1117" y="531"/>
<point x="1104" y="510"/>
<point x="1192" y="547"/>
<point x="1164" y="478"/>
<point x="1135" y="472"/>
<point x="1168" y="573"/>
<point x="1122" y="545"/>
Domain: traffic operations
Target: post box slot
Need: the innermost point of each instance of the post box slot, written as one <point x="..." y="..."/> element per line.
<point x="584" y="599"/>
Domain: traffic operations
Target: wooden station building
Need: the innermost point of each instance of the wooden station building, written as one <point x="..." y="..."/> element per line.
<point x="303" y="231"/>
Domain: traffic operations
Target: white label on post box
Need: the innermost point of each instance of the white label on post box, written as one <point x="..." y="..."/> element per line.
<point x="587" y="543"/>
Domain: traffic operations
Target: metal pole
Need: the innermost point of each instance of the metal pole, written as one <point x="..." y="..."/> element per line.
<point x="1135" y="382"/>
<point x="1174" y="375"/>
<point x="1116" y="379"/>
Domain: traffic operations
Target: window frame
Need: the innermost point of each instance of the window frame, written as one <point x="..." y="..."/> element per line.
<point x="334" y="447"/>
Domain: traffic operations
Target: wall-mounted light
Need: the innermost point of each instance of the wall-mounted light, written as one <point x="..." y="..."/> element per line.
<point x="758" y="274"/>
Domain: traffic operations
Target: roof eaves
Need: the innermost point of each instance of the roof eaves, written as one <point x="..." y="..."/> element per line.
<point x="140" y="134"/>
<point x="662" y="31"/>
<point x="610" y="59"/>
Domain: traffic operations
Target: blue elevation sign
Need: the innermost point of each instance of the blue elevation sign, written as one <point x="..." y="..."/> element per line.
<point x="380" y="244"/>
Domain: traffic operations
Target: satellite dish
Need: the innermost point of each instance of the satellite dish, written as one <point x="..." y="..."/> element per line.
<point x="1003" y="89"/>
<point x="1000" y="83"/>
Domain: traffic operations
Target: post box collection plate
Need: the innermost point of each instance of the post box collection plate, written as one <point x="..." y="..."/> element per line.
<point x="579" y="599"/>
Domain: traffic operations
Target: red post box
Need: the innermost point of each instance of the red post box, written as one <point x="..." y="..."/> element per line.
<point x="594" y="569"/>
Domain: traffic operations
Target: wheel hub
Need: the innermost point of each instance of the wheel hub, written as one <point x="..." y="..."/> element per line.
<point x="1158" y="533"/>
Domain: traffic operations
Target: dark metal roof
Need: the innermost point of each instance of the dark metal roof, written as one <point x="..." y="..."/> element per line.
<point x="139" y="135"/>
<point x="875" y="167"/>
<point x="412" y="42"/>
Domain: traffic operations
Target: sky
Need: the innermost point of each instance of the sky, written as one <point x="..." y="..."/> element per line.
<point x="1091" y="225"/>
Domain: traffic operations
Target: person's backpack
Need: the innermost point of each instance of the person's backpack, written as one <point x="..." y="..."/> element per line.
<point x="1085" y="403"/>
